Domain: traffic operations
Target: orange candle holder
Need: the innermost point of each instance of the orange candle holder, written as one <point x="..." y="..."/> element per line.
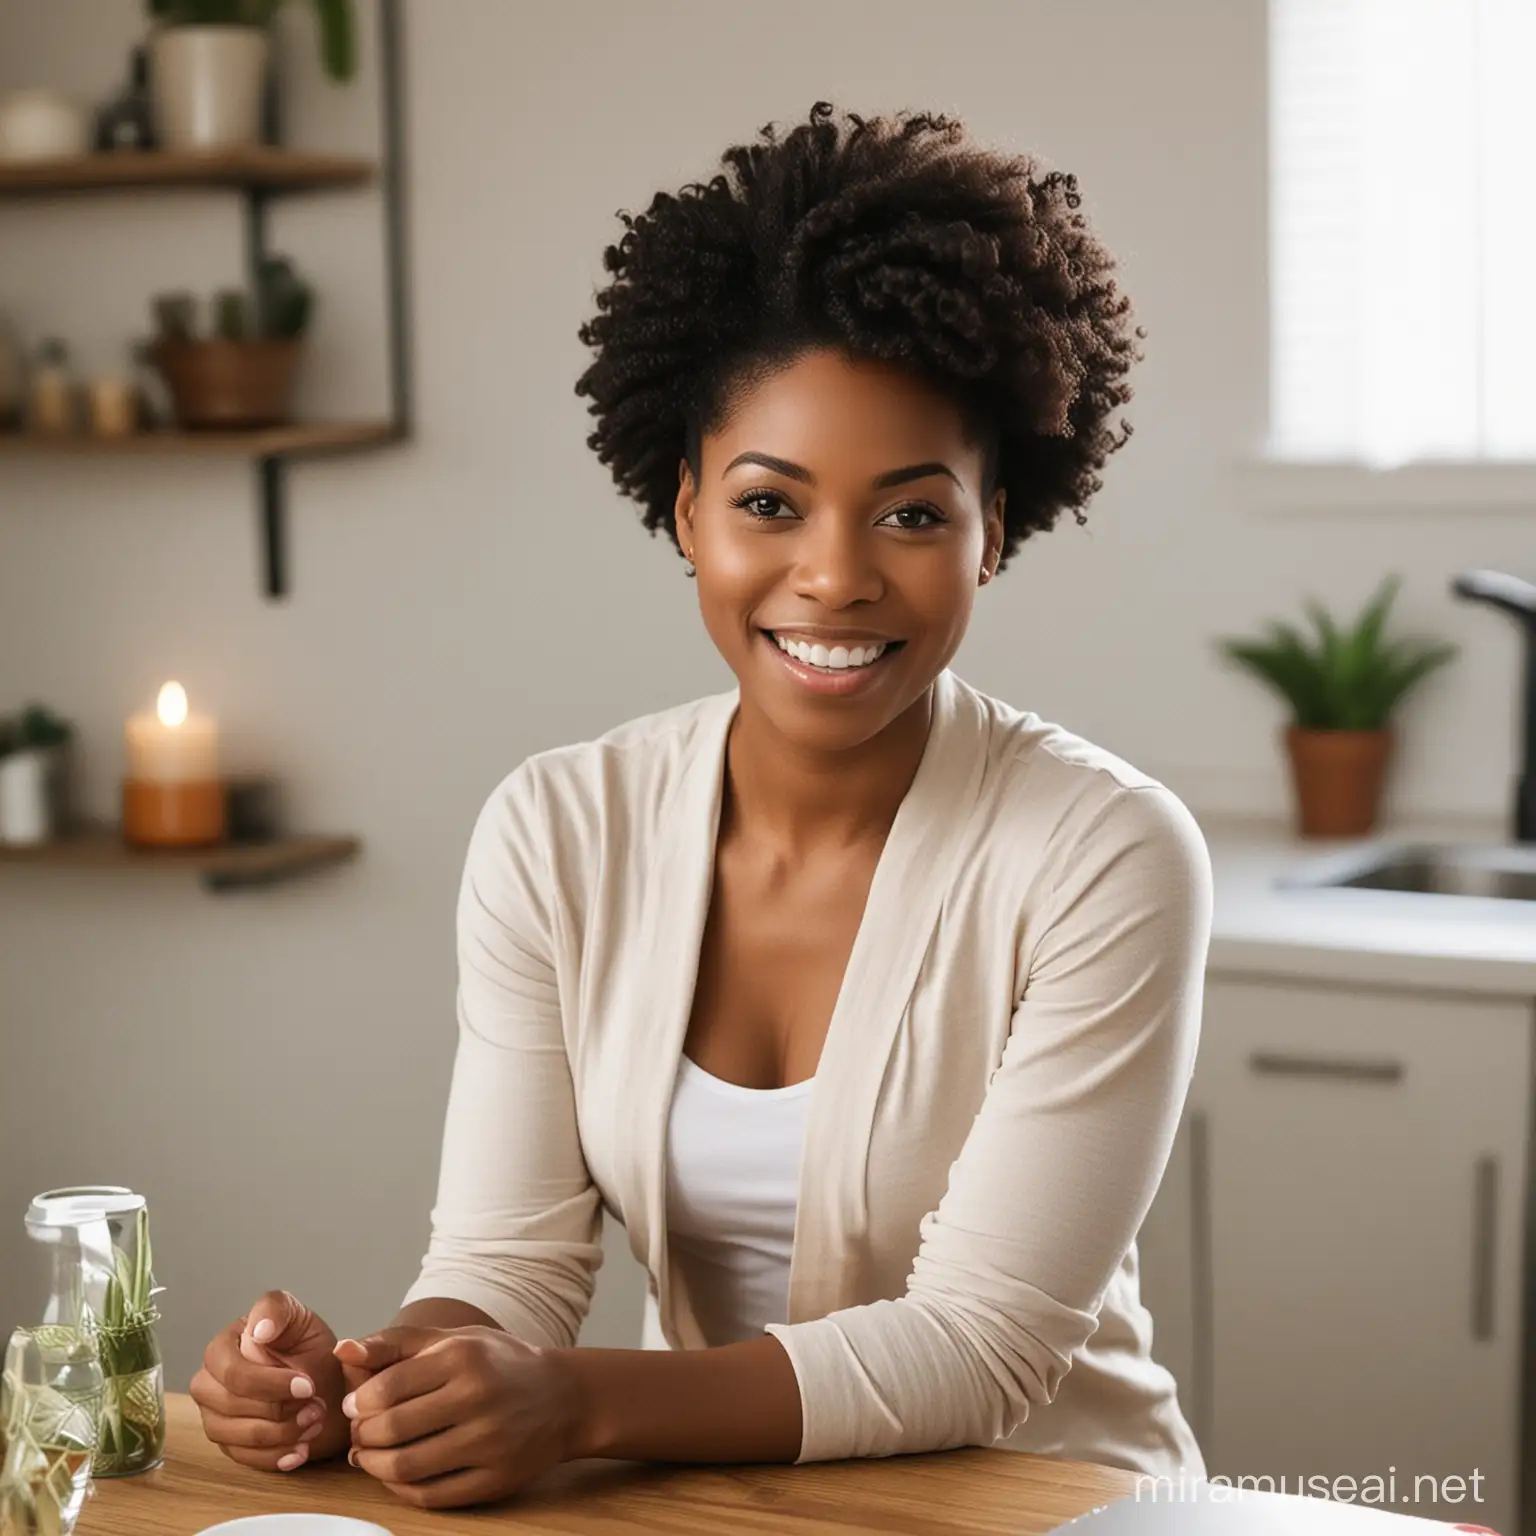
<point x="190" y="815"/>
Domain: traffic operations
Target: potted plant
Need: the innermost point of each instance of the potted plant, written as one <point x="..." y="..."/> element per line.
<point x="242" y="376"/>
<point x="208" y="66"/>
<point x="32" y="775"/>
<point x="1342" y="687"/>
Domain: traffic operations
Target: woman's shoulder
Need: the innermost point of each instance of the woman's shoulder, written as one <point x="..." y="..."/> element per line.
<point x="613" y="777"/>
<point x="1059" y="787"/>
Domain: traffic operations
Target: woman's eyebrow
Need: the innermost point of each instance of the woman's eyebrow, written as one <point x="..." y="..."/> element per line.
<point x="883" y="482"/>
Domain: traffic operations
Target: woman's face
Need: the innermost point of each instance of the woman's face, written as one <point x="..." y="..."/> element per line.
<point x="839" y="508"/>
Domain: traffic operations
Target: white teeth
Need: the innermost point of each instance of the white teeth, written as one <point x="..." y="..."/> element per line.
<point x="838" y="658"/>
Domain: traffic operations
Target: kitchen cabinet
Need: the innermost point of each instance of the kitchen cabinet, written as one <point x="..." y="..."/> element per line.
<point x="1335" y="1261"/>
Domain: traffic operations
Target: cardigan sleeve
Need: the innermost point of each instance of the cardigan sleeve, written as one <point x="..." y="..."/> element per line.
<point x="517" y="1219"/>
<point x="1059" y="1167"/>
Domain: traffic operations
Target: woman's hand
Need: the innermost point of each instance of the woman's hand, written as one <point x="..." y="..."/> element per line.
<point x="454" y="1416"/>
<point x="270" y="1388"/>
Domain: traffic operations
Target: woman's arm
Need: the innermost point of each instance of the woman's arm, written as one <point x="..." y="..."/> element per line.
<point x="738" y="1402"/>
<point x="1059" y="1168"/>
<point x="442" y="1312"/>
<point x="517" y="1220"/>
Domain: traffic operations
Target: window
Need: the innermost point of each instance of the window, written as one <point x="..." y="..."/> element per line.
<point x="1403" y="230"/>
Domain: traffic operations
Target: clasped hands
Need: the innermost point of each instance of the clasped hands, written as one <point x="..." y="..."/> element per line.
<point x="443" y="1417"/>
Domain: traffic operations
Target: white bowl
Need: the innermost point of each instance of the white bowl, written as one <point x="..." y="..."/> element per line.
<point x="295" y="1525"/>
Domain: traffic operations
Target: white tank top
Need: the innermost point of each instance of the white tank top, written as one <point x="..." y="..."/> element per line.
<point x="733" y="1180"/>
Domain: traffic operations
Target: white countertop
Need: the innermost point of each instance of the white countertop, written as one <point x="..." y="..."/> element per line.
<point x="1380" y="938"/>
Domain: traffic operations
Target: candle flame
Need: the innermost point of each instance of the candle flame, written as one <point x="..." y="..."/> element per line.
<point x="171" y="706"/>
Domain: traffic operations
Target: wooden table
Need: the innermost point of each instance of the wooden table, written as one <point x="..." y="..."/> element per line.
<point x="972" y="1492"/>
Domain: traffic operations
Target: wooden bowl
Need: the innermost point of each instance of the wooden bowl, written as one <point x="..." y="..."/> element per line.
<point x="225" y="385"/>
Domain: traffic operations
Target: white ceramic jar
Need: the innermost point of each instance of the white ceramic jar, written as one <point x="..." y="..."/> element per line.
<point x="28" y="795"/>
<point x="206" y="86"/>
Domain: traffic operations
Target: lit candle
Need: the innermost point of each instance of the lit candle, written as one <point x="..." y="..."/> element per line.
<point x="172" y="793"/>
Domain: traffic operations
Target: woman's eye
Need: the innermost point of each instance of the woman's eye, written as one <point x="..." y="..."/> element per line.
<point x="909" y="518"/>
<point x="765" y="506"/>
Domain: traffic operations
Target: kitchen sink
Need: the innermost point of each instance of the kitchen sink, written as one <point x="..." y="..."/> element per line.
<point x="1433" y="869"/>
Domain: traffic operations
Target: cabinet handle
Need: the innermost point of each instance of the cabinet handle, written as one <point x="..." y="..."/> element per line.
<point x="1485" y="1208"/>
<point x="1277" y="1064"/>
<point x="1202" y="1278"/>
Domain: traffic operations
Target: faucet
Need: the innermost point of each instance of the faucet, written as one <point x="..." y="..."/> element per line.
<point x="1518" y="599"/>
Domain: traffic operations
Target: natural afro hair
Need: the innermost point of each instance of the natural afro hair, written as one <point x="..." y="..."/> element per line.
<point x="895" y="239"/>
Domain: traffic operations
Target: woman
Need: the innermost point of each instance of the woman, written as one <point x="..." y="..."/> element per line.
<point x="865" y="1002"/>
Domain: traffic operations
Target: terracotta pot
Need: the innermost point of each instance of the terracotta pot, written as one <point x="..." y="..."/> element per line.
<point x="1338" y="778"/>
<point x="229" y="384"/>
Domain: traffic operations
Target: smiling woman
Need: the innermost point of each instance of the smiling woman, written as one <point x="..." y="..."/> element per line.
<point x="867" y="1003"/>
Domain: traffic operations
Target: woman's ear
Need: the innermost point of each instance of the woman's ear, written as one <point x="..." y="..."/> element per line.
<point x="682" y="512"/>
<point x="994" y="534"/>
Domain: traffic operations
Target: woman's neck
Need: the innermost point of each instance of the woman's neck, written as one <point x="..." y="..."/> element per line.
<point x="799" y="800"/>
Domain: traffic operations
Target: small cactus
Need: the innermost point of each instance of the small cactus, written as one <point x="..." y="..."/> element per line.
<point x="176" y="315"/>
<point x="284" y="300"/>
<point x="232" y="316"/>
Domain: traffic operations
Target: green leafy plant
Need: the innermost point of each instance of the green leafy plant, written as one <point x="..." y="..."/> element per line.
<point x="40" y="727"/>
<point x="1341" y="679"/>
<point x="36" y="727"/>
<point x="338" y="26"/>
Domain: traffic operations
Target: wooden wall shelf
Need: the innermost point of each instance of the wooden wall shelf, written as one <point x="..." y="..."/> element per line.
<point x="272" y="170"/>
<point x="259" y="174"/>
<point x="297" y="441"/>
<point x="233" y="866"/>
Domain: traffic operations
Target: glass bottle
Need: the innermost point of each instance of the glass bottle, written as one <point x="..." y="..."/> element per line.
<point x="101" y="1287"/>
<point x="127" y="122"/>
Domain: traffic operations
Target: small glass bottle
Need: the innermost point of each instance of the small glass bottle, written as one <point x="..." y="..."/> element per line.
<point x="53" y="403"/>
<point x="127" y="122"/>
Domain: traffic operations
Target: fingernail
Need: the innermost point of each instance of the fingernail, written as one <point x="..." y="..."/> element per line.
<point x="310" y="1433"/>
<point x="303" y="1387"/>
<point x="349" y="1405"/>
<point x="264" y="1330"/>
<point x="352" y="1460"/>
<point x="312" y="1414"/>
<point x="294" y="1459"/>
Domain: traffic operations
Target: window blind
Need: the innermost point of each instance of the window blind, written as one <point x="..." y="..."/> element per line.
<point x="1403" y="230"/>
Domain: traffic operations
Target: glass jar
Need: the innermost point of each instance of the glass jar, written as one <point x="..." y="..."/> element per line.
<point x="50" y="1405"/>
<point x="96" y="1243"/>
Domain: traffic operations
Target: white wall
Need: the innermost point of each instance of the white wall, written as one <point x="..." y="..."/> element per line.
<point x="271" y="1067"/>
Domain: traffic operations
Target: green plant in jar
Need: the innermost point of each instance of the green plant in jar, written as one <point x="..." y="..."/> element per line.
<point x="131" y="1435"/>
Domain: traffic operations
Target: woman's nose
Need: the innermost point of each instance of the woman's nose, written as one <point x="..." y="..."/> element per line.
<point x="836" y="567"/>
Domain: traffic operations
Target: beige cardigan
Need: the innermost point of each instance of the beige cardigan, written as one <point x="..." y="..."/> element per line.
<point x="992" y="1112"/>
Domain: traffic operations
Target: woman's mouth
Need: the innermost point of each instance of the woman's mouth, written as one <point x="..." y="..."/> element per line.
<point x="831" y="667"/>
